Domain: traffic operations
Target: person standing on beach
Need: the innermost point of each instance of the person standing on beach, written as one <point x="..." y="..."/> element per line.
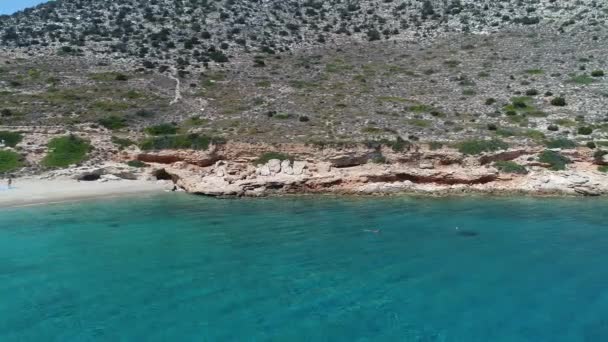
<point x="10" y="182"/>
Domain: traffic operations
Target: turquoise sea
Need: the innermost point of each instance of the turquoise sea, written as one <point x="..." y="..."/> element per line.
<point x="175" y="267"/>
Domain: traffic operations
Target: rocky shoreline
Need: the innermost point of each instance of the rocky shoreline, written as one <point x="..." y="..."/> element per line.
<point x="231" y="170"/>
<point x="258" y="169"/>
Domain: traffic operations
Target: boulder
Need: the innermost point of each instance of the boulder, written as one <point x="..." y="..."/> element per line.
<point x="502" y="156"/>
<point x="110" y="178"/>
<point x="426" y="165"/>
<point x="286" y="167"/>
<point x="274" y="165"/>
<point x="350" y="159"/>
<point x="587" y="191"/>
<point x="220" y="171"/>
<point x="298" y="167"/>
<point x="263" y="170"/>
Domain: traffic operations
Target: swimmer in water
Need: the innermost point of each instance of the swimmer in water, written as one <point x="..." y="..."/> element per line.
<point x="375" y="231"/>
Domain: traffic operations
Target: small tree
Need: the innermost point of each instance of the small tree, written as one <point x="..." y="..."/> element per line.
<point x="373" y="34"/>
<point x="558" y="101"/>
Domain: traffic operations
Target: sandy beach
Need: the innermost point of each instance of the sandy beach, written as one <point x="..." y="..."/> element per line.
<point x="35" y="191"/>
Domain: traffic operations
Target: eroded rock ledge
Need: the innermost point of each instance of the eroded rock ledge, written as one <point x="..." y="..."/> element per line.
<point x="231" y="170"/>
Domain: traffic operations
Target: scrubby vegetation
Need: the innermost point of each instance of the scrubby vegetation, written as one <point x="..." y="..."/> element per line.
<point x="474" y="147"/>
<point x="397" y="145"/>
<point x="10" y="139"/>
<point x="599" y="155"/>
<point x="122" y="142"/>
<point x="65" y="151"/>
<point x="9" y="161"/>
<point x="585" y="130"/>
<point x="136" y="163"/>
<point x="162" y="129"/>
<point x="291" y="71"/>
<point x="182" y="141"/>
<point x="560" y="143"/>
<point x="113" y="122"/>
<point x="556" y="160"/>
<point x="510" y="167"/>
<point x="267" y="156"/>
<point x="558" y="101"/>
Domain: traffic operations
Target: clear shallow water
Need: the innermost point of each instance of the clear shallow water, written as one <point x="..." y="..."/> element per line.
<point x="182" y="268"/>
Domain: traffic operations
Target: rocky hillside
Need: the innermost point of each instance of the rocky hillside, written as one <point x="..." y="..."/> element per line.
<point x="194" y="33"/>
<point x="318" y="72"/>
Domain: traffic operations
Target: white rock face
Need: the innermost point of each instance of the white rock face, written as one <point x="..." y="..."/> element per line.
<point x="286" y="167"/>
<point x="298" y="167"/>
<point x="426" y="165"/>
<point x="323" y="167"/>
<point x="110" y="177"/>
<point x="264" y="170"/>
<point x="274" y="165"/>
<point x="220" y="171"/>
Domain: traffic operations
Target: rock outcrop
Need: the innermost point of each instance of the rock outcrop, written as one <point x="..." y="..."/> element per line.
<point x="229" y="170"/>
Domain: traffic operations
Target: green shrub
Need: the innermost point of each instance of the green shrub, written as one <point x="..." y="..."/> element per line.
<point x="556" y="160"/>
<point x="132" y="94"/>
<point x="585" y="130"/>
<point x="65" y="151"/>
<point x="136" y="163"/>
<point x="189" y="141"/>
<point x="581" y="79"/>
<point x="560" y="143"/>
<point x="113" y="122"/>
<point x="490" y="101"/>
<point x="373" y="34"/>
<point x="162" y="129"/>
<point x="378" y="158"/>
<point x="597" y="73"/>
<point x="591" y="144"/>
<point x="110" y="106"/>
<point x="599" y="155"/>
<point x="558" y="101"/>
<point x="267" y="156"/>
<point x="534" y="71"/>
<point x="143" y="113"/>
<point x="473" y="147"/>
<point x="397" y="145"/>
<point x="603" y="168"/>
<point x="531" y="92"/>
<point x="534" y="134"/>
<point x="108" y="76"/>
<point x="520" y="102"/>
<point x="121" y="77"/>
<point x="9" y="161"/>
<point x="122" y="142"/>
<point x="10" y="138"/>
<point x="506" y="132"/>
<point x="510" y="167"/>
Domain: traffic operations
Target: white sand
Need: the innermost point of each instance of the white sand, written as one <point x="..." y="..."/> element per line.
<point x="34" y="191"/>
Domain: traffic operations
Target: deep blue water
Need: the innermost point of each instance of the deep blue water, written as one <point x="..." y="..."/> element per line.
<point x="180" y="268"/>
